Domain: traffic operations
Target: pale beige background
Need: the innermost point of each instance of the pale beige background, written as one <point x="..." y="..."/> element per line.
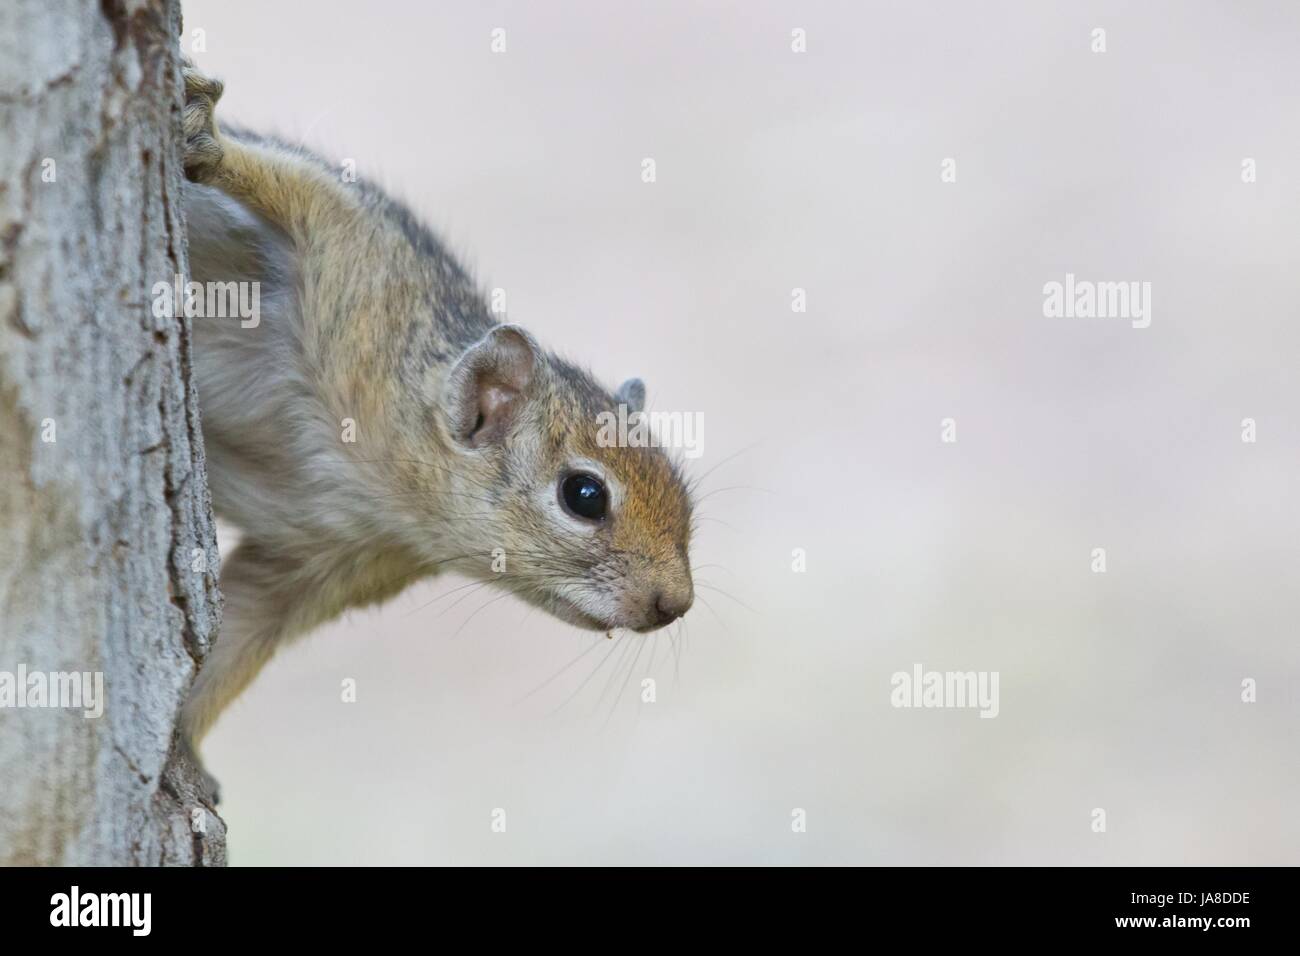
<point x="821" y="171"/>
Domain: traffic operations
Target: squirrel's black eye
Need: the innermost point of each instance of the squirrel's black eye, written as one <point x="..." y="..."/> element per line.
<point x="584" y="496"/>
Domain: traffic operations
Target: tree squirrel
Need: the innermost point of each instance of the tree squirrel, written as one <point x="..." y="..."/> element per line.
<point x="378" y="426"/>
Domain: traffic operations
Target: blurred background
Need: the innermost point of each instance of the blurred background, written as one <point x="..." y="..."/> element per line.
<point x="821" y="171"/>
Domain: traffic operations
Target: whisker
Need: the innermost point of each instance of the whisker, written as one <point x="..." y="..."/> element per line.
<point x="586" y="680"/>
<point x="594" y="645"/>
<point x="714" y="613"/>
<point x="618" y="665"/>
<point x="727" y="525"/>
<point x="681" y="650"/>
<point x="613" y="707"/>
<point x="452" y="606"/>
<point x="718" y="491"/>
<point x="476" y="612"/>
<point x="726" y="594"/>
<point x="695" y="482"/>
<point x="443" y="595"/>
<point x="654" y="645"/>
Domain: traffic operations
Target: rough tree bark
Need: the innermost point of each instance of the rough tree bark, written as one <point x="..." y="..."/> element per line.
<point x="107" y="549"/>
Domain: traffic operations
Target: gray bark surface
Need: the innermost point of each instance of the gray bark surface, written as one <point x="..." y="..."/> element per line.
<point x="108" y="556"/>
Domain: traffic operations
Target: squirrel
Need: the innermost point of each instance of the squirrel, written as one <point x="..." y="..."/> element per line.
<point x="471" y="446"/>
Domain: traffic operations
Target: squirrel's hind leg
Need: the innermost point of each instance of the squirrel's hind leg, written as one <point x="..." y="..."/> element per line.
<point x="258" y="616"/>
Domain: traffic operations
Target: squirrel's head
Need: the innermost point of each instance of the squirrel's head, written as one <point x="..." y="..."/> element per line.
<point x="591" y="531"/>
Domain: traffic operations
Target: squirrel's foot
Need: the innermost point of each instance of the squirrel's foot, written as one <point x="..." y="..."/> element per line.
<point x="203" y="151"/>
<point x="209" y="788"/>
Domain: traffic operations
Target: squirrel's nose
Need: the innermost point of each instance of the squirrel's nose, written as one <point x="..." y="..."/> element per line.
<point x="669" y="607"/>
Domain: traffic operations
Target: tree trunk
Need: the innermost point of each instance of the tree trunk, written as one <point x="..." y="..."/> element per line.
<point x="107" y="552"/>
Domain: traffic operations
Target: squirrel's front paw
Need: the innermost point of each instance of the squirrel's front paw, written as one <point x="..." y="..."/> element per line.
<point x="203" y="152"/>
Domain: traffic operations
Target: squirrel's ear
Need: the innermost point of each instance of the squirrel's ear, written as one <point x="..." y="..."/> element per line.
<point x="489" y="384"/>
<point x="632" y="394"/>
